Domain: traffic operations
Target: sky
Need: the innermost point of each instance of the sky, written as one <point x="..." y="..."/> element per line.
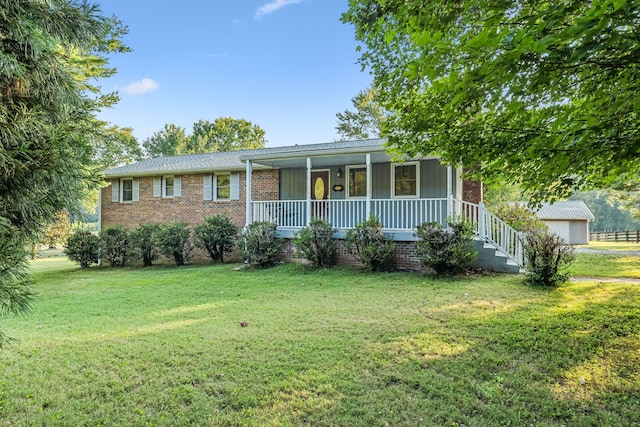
<point x="288" y="66"/>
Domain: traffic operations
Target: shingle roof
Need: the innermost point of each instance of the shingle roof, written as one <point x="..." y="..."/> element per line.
<point x="233" y="160"/>
<point x="573" y="209"/>
<point x="229" y="160"/>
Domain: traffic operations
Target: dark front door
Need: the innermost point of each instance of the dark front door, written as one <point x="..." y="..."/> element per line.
<point x="320" y="194"/>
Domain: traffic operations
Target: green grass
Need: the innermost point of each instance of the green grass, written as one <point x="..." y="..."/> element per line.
<point x="598" y="265"/>
<point x="165" y="346"/>
<point x="612" y="246"/>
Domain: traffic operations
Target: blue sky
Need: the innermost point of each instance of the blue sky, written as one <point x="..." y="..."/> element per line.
<point x="286" y="65"/>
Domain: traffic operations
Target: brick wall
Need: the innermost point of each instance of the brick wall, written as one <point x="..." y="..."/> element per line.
<point x="403" y="256"/>
<point x="472" y="191"/>
<point x="189" y="207"/>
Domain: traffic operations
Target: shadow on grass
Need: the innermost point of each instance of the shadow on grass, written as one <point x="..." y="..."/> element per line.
<point x="573" y="363"/>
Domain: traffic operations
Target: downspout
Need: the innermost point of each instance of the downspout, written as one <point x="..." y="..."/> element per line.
<point x="308" y="190"/>
<point x="100" y="221"/>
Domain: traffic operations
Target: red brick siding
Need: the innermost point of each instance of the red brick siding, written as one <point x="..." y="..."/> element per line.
<point x="189" y="207"/>
<point x="403" y="256"/>
<point x="472" y="191"/>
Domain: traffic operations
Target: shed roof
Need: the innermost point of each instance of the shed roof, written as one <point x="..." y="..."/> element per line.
<point x="568" y="210"/>
<point x="234" y="160"/>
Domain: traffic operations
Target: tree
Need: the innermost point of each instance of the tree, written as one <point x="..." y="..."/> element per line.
<point x="117" y="147"/>
<point x="365" y="121"/>
<point x="168" y="142"/>
<point x="58" y="232"/>
<point x="542" y="93"/>
<point x="224" y="134"/>
<point x="51" y="52"/>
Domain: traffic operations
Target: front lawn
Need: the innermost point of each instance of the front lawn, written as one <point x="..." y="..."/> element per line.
<point x="206" y="345"/>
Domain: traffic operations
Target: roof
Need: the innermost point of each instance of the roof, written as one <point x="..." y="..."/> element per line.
<point x="569" y="210"/>
<point x="234" y="160"/>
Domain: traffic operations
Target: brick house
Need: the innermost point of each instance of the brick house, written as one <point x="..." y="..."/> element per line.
<point x="341" y="182"/>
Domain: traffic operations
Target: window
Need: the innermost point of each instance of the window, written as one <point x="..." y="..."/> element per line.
<point x="127" y="190"/>
<point x="167" y="184"/>
<point x="406" y="180"/>
<point x="357" y="181"/>
<point x="223" y="186"/>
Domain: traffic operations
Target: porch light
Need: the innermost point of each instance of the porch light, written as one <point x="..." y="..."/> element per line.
<point x="339" y="173"/>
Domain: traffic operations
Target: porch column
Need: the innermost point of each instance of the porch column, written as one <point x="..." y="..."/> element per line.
<point x="308" y="190"/>
<point x="450" y="209"/>
<point x="369" y="186"/>
<point x="249" y="212"/>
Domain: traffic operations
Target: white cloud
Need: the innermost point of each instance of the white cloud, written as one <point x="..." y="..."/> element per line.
<point x="271" y="7"/>
<point x="141" y="86"/>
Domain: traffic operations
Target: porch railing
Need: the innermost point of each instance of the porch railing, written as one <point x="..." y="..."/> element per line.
<point x="395" y="214"/>
<point x="492" y="229"/>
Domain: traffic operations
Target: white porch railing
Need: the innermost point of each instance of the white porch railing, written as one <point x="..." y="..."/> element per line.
<point x="394" y="214"/>
<point x="492" y="229"/>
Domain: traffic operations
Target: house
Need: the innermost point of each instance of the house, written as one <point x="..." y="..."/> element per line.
<point x="569" y="220"/>
<point x="341" y="182"/>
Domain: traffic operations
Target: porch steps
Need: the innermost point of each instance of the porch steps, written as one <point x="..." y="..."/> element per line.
<point x="490" y="258"/>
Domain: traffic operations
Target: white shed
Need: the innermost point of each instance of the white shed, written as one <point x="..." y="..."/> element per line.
<point x="570" y="220"/>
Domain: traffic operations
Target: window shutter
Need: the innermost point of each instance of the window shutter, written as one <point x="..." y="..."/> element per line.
<point x="157" y="187"/>
<point x="214" y="186"/>
<point x="115" y="190"/>
<point x="177" y="186"/>
<point x="235" y="186"/>
<point x="207" y="187"/>
<point x="136" y="190"/>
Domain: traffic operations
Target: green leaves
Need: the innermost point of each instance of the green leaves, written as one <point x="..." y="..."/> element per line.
<point x="544" y="95"/>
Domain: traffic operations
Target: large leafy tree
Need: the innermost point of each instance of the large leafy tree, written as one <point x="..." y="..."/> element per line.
<point x="223" y="134"/>
<point x="167" y="142"/>
<point x="365" y="121"/>
<point x="51" y="52"/>
<point x="543" y="93"/>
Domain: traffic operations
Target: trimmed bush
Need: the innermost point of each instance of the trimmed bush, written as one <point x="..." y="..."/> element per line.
<point x="261" y="244"/>
<point x="144" y="243"/>
<point x="370" y="246"/>
<point x="83" y="247"/>
<point x="114" y="246"/>
<point x="546" y="255"/>
<point x="446" y="251"/>
<point x="174" y="241"/>
<point x="520" y="217"/>
<point x="216" y="235"/>
<point x="315" y="243"/>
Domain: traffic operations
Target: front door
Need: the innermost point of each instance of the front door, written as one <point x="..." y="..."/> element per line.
<point x="320" y="194"/>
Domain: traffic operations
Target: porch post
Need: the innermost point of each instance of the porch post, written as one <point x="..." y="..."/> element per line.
<point x="249" y="212"/>
<point x="369" y="186"/>
<point x="308" y="191"/>
<point x="450" y="209"/>
<point x="481" y="225"/>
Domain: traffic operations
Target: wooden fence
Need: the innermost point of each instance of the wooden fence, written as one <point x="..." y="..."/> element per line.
<point x="616" y="236"/>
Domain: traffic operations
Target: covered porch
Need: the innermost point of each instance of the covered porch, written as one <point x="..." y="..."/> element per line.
<point x="346" y="184"/>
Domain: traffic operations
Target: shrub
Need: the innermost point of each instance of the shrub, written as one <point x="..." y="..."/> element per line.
<point x="174" y="241"/>
<point x="144" y="243"/>
<point x="545" y="256"/>
<point x="446" y="251"/>
<point x="315" y="243"/>
<point x="520" y="217"/>
<point x="370" y="246"/>
<point x="260" y="244"/>
<point x="83" y="247"/>
<point x="114" y="246"/>
<point x="216" y="235"/>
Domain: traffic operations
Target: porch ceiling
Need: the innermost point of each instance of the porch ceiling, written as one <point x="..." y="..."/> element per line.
<point x="324" y="161"/>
